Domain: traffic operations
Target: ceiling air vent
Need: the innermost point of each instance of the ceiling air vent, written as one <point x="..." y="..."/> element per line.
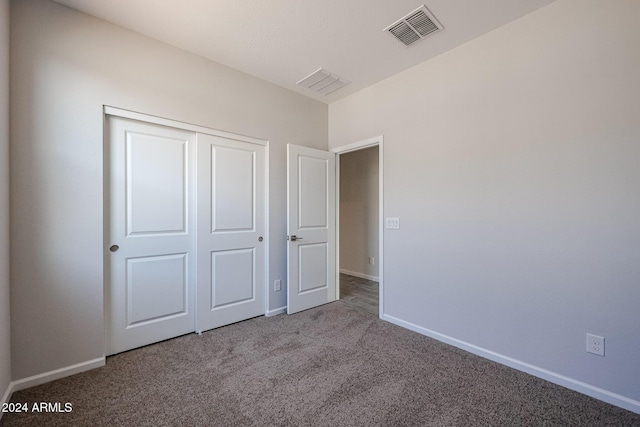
<point x="323" y="82"/>
<point x="415" y="26"/>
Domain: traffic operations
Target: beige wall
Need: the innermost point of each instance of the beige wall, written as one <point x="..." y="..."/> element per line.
<point x="359" y="212"/>
<point x="65" y="67"/>
<point x="513" y="163"/>
<point x="5" y="347"/>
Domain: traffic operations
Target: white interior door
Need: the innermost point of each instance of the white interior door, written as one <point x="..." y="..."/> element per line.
<point x="150" y="292"/>
<point x="231" y="231"/>
<point x="311" y="273"/>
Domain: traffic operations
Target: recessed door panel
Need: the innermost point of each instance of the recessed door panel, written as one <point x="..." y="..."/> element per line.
<point x="156" y="184"/>
<point x="156" y="288"/>
<point x="232" y="277"/>
<point x="312" y="192"/>
<point x="313" y="267"/>
<point x="233" y="179"/>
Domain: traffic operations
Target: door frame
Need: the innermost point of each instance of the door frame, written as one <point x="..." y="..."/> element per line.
<point x="106" y="225"/>
<point x="376" y="141"/>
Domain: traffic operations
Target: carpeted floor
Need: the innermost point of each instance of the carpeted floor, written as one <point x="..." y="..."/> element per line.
<point x="335" y="365"/>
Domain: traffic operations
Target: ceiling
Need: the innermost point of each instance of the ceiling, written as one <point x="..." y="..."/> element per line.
<point x="282" y="41"/>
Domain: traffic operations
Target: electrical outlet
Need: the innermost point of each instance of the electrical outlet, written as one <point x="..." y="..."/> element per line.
<point x="372" y="260"/>
<point x="392" y="223"/>
<point x="595" y="344"/>
<point x="277" y="285"/>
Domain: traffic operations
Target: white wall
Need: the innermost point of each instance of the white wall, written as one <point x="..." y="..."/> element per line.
<point x="359" y="212"/>
<point x="5" y="341"/>
<point x="513" y="163"/>
<point x="65" y="66"/>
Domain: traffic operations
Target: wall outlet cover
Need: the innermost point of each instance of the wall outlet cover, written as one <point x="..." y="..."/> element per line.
<point x="595" y="344"/>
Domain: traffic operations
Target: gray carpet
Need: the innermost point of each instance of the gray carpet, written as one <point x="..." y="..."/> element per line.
<point x="334" y="365"/>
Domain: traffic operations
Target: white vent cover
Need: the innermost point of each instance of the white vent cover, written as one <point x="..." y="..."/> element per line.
<point x="415" y="26"/>
<point x="323" y="82"/>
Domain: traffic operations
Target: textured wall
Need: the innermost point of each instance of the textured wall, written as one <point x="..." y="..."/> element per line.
<point x="359" y="211"/>
<point x="65" y="66"/>
<point x="513" y="163"/>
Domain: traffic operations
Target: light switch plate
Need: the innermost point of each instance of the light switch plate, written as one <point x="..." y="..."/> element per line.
<point x="392" y="223"/>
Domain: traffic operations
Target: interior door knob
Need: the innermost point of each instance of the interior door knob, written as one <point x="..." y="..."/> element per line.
<point x="260" y="239"/>
<point x="114" y="248"/>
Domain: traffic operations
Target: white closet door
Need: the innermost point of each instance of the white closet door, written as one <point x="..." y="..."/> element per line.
<point x="151" y="261"/>
<point x="311" y="218"/>
<point x="231" y="231"/>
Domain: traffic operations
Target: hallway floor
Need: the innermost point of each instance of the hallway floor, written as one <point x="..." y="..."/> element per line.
<point x="359" y="292"/>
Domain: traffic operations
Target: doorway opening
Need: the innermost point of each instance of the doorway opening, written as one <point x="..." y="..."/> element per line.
<point x="359" y="225"/>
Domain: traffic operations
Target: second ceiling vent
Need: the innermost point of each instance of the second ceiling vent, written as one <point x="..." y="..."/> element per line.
<point x="323" y="82"/>
<point x="415" y="26"/>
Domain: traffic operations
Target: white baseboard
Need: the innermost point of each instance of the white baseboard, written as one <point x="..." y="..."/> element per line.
<point x="57" y="374"/>
<point x="360" y="275"/>
<point x="570" y="383"/>
<point x="275" y="312"/>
